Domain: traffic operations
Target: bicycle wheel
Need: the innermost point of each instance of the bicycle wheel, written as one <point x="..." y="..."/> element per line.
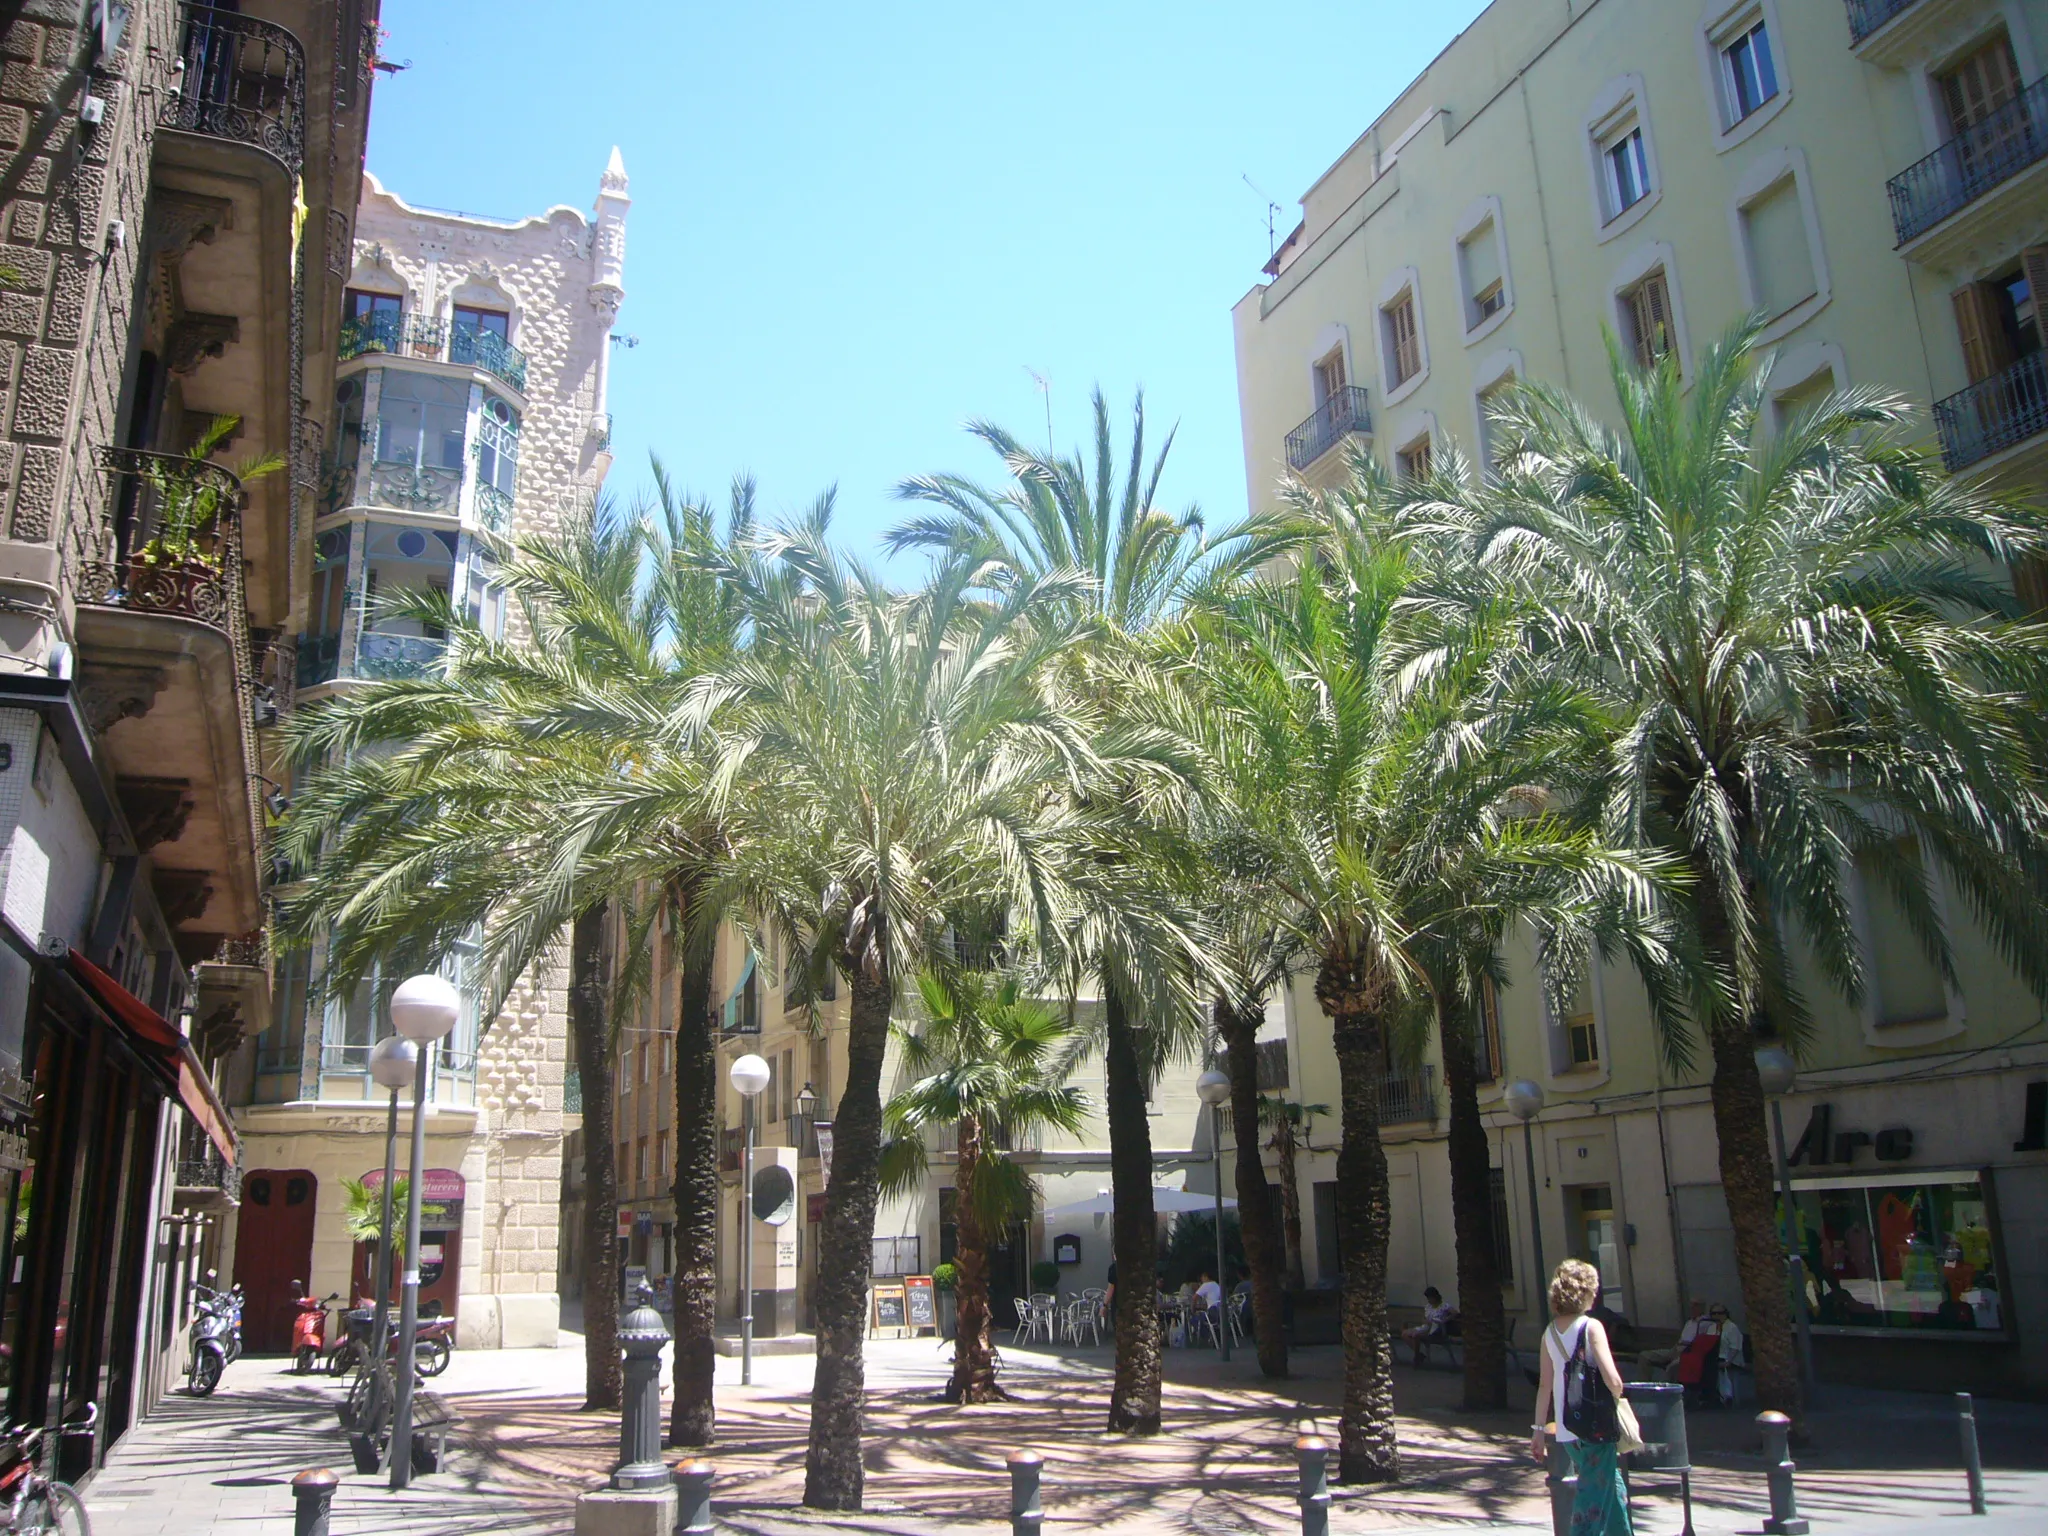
<point x="53" y="1510"/>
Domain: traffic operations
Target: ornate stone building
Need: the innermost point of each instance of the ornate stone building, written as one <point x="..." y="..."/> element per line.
<point x="469" y="406"/>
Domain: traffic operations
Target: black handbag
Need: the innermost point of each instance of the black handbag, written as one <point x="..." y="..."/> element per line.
<point x="1588" y="1410"/>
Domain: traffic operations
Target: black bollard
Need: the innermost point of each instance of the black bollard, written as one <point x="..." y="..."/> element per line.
<point x="693" y="1498"/>
<point x="1563" y="1481"/>
<point x="1973" y="1464"/>
<point x="1785" y="1519"/>
<point x="1026" y="1514"/>
<point x="641" y="1335"/>
<point x="1312" y="1457"/>
<point x="313" y="1497"/>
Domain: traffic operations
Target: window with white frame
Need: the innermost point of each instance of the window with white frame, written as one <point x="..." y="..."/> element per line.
<point x="1402" y="340"/>
<point x="1479" y="271"/>
<point x="1777" y="248"/>
<point x="1625" y="166"/>
<point x="1575" y="1033"/>
<point x="1749" y="69"/>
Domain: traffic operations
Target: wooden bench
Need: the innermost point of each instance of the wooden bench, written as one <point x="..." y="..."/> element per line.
<point x="432" y="1419"/>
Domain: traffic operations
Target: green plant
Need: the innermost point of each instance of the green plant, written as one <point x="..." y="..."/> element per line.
<point x="1045" y="1276"/>
<point x="946" y="1278"/>
<point x="187" y="502"/>
<point x="362" y="1211"/>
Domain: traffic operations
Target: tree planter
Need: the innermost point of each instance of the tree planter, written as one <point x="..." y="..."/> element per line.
<point x="948" y="1315"/>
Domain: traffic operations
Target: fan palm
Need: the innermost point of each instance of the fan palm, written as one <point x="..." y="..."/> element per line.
<point x="362" y="1215"/>
<point x="1812" y="668"/>
<point x="893" y="760"/>
<point x="992" y="1066"/>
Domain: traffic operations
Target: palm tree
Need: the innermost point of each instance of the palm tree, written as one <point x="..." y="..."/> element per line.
<point x="1291" y="1123"/>
<point x="893" y="760"/>
<point x="362" y="1216"/>
<point x="992" y="1066"/>
<point x="1811" y="667"/>
<point x="1054" y="516"/>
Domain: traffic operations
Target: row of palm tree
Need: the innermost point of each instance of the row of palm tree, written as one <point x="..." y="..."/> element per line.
<point x="1647" y="691"/>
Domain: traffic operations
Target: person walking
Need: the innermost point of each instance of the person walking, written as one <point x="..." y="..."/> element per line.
<point x="1580" y="1364"/>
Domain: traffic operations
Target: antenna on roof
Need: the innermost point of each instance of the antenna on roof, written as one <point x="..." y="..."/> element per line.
<point x="1044" y="388"/>
<point x="1272" y="211"/>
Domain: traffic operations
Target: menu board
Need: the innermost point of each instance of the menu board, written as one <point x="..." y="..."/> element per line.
<point x="922" y="1307"/>
<point x="889" y="1308"/>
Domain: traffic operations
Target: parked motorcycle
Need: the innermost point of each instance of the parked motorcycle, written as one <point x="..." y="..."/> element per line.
<point x="233" y="1301"/>
<point x="309" y="1327"/>
<point x="433" y="1339"/>
<point x="213" y="1326"/>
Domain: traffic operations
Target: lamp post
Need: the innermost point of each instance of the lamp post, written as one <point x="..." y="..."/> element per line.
<point x="805" y="1111"/>
<point x="1212" y="1088"/>
<point x="1779" y="1074"/>
<point x="423" y="1009"/>
<point x="394" y="1063"/>
<point x="748" y="1076"/>
<point x="1524" y="1100"/>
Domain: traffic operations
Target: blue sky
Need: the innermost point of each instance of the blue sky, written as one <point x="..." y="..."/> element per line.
<point x="855" y="228"/>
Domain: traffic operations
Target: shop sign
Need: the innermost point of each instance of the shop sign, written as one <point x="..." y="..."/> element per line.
<point x="1820" y="1145"/>
<point x="814" y="1209"/>
<point x="441" y="1196"/>
<point x="625" y="1224"/>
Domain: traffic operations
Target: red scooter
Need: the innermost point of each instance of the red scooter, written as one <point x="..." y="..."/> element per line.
<point x="309" y="1327"/>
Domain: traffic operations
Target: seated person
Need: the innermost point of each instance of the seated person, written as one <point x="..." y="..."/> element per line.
<point x="1208" y="1299"/>
<point x="1241" y="1299"/>
<point x="1436" y="1319"/>
<point x="1661" y="1360"/>
<point x="1705" y="1347"/>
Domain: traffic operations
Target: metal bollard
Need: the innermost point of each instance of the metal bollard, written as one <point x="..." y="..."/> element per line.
<point x="312" y="1496"/>
<point x="1785" y="1519"/>
<point x="1563" y="1481"/>
<point x="1973" y="1464"/>
<point x="641" y="1335"/>
<point x="693" y="1498"/>
<point x="1312" y="1456"/>
<point x="1026" y="1513"/>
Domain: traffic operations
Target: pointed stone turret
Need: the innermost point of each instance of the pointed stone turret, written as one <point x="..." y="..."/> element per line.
<point x="608" y="238"/>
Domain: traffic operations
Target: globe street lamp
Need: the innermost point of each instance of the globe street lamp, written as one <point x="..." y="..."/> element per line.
<point x="423" y="1009"/>
<point x="1524" y="1100"/>
<point x="1212" y="1088"/>
<point x="1779" y="1074"/>
<point x="394" y="1063"/>
<point x="802" y="1114"/>
<point x="748" y="1076"/>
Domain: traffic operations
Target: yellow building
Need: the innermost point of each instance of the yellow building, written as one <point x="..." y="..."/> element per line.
<point x="1873" y="177"/>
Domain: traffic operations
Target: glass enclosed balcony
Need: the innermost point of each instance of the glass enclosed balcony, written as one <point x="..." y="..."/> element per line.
<point x="378" y="587"/>
<point x="416" y="441"/>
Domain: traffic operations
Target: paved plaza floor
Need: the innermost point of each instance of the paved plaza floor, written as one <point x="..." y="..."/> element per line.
<point x="1225" y="1466"/>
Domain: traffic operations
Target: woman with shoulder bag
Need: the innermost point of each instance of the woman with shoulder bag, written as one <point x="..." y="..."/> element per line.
<point x="1584" y="1387"/>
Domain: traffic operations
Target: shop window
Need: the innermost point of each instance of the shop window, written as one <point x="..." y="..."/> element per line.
<point x="1401" y="339"/>
<point x="1902" y="1253"/>
<point x="1777" y="250"/>
<point x="1906" y="985"/>
<point x="1596" y="1236"/>
<point x="1646" y="313"/>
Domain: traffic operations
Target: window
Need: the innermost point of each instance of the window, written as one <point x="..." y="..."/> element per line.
<point x="1575" y="1035"/>
<point x="497" y="446"/>
<point x="1749" y="76"/>
<point x="1976" y="86"/>
<point x="768" y="1097"/>
<point x="1774" y="238"/>
<point x="1497" y="1200"/>
<point x="1414" y="460"/>
<point x="1627" y="165"/>
<point x="493" y="322"/>
<point x="1997" y="321"/>
<point x="1647" y="309"/>
<point x="661" y="1162"/>
<point x="645" y="1076"/>
<point x="788" y="1084"/>
<point x="1272" y="1064"/>
<point x="1486" y="1050"/>
<point x="421" y="419"/>
<point x="1479" y="267"/>
<point x="358" y="304"/>
<point x="624" y="1163"/>
<point x="640" y="1161"/>
<point x="1904" y="1252"/>
<point x="1906" y="986"/>
<point x="1489" y="436"/>
<point x="1404" y="349"/>
<point x="1330" y="380"/>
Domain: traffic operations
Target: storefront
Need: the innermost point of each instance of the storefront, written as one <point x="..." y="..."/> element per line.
<point x="442" y="1193"/>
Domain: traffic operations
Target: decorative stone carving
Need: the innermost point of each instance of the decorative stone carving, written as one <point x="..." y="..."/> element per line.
<point x="112" y="694"/>
<point x="157" y="809"/>
<point x="181" y="894"/>
<point x="194" y="337"/>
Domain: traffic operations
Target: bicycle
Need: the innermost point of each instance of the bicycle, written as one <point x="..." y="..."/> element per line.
<point x="32" y="1504"/>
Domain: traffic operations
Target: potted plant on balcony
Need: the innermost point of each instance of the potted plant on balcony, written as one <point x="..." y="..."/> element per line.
<point x="179" y="567"/>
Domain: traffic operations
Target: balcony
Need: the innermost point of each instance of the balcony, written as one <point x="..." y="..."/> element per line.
<point x="240" y="80"/>
<point x="1897" y="33"/>
<point x="479" y="348"/>
<point x="1981" y="181"/>
<point x="1868" y="16"/>
<point x="1994" y="414"/>
<point x="1337" y="418"/>
<point x="387" y="331"/>
<point x="1408" y="1098"/>
<point x="493" y="508"/>
<point x="375" y="657"/>
<point x="234" y="984"/>
<point x="946" y="1139"/>
<point x="204" y="1178"/>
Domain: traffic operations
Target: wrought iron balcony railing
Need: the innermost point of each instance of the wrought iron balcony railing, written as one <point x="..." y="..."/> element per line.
<point x="208" y="1171"/>
<point x="387" y="330"/>
<point x="1408" y="1096"/>
<point x="414" y="486"/>
<point x="386" y="656"/>
<point x="1328" y="425"/>
<point x="319" y="659"/>
<point x="946" y="1138"/>
<point x="176" y="540"/>
<point x="1866" y="16"/>
<point x="489" y="351"/>
<point x="1994" y="413"/>
<point x="493" y="508"/>
<point x="249" y="949"/>
<point x="1976" y="160"/>
<point x="240" y="79"/>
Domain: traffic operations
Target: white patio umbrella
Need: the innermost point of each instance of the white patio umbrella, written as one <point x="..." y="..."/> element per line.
<point x="1165" y="1202"/>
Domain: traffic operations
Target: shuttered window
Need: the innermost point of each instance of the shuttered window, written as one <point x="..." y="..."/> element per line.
<point x="1330" y="380"/>
<point x="1479" y="257"/>
<point x="1649" y="316"/>
<point x="1780" y="259"/>
<point x="1987" y="349"/>
<point x="1980" y="84"/>
<point x="1415" y="460"/>
<point x="1404" y="350"/>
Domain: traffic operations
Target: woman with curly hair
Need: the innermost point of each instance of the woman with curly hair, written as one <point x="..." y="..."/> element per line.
<point x="1570" y="1342"/>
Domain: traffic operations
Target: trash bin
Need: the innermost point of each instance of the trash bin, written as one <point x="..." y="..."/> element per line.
<point x="1660" y="1410"/>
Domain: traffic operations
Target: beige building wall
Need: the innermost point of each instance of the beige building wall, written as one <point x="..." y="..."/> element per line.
<point x="1889" y="242"/>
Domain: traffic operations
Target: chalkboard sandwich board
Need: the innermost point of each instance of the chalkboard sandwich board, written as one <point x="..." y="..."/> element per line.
<point x="889" y="1308"/>
<point x="922" y="1306"/>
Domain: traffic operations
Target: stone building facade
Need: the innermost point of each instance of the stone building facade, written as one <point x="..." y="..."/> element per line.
<point x="469" y="409"/>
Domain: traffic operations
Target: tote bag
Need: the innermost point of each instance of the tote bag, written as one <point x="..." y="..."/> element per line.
<point x="1588" y="1405"/>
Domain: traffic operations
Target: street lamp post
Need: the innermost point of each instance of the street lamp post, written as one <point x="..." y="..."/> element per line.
<point x="394" y="1063"/>
<point x="423" y="1009"/>
<point x="1524" y="1100"/>
<point x="1213" y="1088"/>
<point x="749" y="1075"/>
<point x="1779" y="1074"/>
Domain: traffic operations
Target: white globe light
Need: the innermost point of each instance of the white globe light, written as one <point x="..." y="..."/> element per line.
<point x="1523" y="1098"/>
<point x="394" y="1061"/>
<point x="1777" y="1069"/>
<point x="1212" y="1087"/>
<point x="749" y="1075"/>
<point x="424" y="1008"/>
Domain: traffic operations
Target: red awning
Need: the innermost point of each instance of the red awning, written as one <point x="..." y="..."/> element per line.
<point x="159" y="1043"/>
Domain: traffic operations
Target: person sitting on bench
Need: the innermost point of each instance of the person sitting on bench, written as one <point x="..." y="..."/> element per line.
<point x="1436" y="1321"/>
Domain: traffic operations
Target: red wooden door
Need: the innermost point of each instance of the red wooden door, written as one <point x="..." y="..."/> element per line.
<point x="273" y="1248"/>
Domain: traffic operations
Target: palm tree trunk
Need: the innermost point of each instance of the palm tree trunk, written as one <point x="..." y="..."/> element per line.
<point x="833" y="1471"/>
<point x="692" y="1415"/>
<point x="1257" y="1219"/>
<point x="603" y="1380"/>
<point x="1368" y="1450"/>
<point x="1134" y="1395"/>
<point x="1748" y="1177"/>
<point x="974" y="1356"/>
<point x="1481" y="1317"/>
<point x="1290" y="1200"/>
